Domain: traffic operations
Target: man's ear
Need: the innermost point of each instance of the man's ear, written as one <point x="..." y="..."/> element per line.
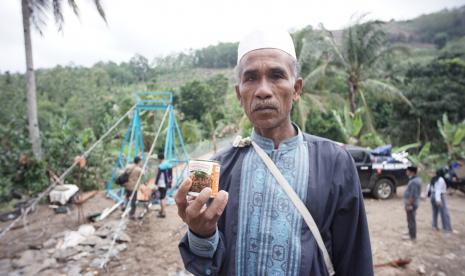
<point x="238" y="94"/>
<point x="298" y="86"/>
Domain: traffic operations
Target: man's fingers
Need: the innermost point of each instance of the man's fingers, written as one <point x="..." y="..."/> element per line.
<point x="196" y="205"/>
<point x="216" y="208"/>
<point x="180" y="197"/>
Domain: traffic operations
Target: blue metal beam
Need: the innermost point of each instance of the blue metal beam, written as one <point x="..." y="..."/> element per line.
<point x="133" y="143"/>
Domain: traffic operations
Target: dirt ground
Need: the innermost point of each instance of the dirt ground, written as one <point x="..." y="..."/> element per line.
<point x="153" y="249"/>
<point x="43" y="223"/>
<point x="435" y="252"/>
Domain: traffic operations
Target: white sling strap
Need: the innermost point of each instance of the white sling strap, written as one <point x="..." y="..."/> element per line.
<point x="297" y="203"/>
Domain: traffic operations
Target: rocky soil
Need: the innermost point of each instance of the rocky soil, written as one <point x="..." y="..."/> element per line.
<point x="52" y="244"/>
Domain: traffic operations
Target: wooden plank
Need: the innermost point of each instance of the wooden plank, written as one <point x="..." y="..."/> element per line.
<point x="106" y="212"/>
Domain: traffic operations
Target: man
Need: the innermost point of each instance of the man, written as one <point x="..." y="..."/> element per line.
<point x="251" y="227"/>
<point x="411" y="200"/>
<point x="134" y="170"/>
<point x="438" y="189"/>
<point x="163" y="182"/>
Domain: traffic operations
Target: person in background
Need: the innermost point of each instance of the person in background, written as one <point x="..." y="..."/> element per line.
<point x="437" y="190"/>
<point x="134" y="170"/>
<point x="411" y="201"/>
<point x="163" y="182"/>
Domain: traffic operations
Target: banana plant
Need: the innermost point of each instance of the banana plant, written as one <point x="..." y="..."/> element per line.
<point x="406" y="147"/>
<point x="425" y="160"/>
<point x="350" y="124"/>
<point x="422" y="157"/>
<point x="191" y="131"/>
<point x="213" y="129"/>
<point x="453" y="135"/>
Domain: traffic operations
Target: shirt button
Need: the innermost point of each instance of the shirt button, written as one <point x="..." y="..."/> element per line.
<point x="208" y="271"/>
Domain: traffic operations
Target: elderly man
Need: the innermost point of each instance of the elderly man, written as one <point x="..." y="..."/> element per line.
<point x="252" y="227"/>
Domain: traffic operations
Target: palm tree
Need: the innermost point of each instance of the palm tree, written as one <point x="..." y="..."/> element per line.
<point x="362" y="47"/>
<point x="356" y="58"/>
<point x="313" y="66"/>
<point x="34" y="10"/>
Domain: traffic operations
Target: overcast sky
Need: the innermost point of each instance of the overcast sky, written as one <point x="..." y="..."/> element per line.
<point x="156" y="28"/>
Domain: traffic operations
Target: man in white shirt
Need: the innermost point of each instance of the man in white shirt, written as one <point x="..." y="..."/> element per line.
<point x="438" y="201"/>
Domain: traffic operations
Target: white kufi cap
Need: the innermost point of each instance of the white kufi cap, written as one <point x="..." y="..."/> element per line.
<point x="266" y="39"/>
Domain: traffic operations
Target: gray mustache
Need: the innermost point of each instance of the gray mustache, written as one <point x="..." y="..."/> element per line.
<point x="264" y="105"/>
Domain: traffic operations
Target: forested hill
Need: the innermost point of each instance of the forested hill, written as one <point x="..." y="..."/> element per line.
<point x="446" y="27"/>
<point x="404" y="77"/>
<point x="437" y="28"/>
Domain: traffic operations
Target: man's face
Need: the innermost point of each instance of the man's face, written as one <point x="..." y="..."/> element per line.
<point x="409" y="173"/>
<point x="267" y="87"/>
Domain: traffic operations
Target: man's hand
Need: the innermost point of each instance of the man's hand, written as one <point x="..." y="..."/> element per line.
<point x="202" y="220"/>
<point x="409" y="207"/>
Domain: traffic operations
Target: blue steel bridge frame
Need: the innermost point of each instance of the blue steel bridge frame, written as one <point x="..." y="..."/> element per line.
<point x="133" y="143"/>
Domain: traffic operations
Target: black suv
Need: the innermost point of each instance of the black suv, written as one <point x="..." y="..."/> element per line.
<point x="379" y="177"/>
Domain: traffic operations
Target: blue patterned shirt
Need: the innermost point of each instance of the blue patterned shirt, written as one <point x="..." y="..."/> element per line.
<point x="261" y="233"/>
<point x="268" y="240"/>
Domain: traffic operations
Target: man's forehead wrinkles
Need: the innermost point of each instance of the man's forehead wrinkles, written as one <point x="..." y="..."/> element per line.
<point x="277" y="69"/>
<point x="274" y="69"/>
<point x="250" y="71"/>
<point x="259" y="65"/>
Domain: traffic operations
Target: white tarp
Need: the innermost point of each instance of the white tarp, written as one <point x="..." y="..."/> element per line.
<point x="73" y="238"/>
<point x="62" y="193"/>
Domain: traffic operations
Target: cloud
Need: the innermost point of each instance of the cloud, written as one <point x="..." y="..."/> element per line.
<point x="155" y="28"/>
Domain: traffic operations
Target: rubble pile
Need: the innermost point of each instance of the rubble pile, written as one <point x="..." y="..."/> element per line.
<point x="70" y="253"/>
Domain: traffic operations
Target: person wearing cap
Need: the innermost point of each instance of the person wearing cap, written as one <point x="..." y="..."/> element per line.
<point x="163" y="181"/>
<point x="411" y="201"/>
<point x="251" y="227"/>
<point x="134" y="170"/>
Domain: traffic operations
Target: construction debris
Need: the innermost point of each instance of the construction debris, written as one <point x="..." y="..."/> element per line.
<point x="107" y="211"/>
<point x="19" y="208"/>
<point x="83" y="197"/>
<point x="63" y="193"/>
<point x="67" y="252"/>
<point x="396" y="263"/>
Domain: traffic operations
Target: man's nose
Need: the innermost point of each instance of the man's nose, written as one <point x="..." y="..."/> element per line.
<point x="264" y="89"/>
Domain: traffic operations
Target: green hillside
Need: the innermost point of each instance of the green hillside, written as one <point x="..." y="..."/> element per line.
<point x="404" y="78"/>
<point x="436" y="28"/>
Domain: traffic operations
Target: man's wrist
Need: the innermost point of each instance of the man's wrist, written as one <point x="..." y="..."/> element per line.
<point x="203" y="247"/>
<point x="203" y="236"/>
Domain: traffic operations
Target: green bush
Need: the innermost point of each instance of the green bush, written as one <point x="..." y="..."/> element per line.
<point x="324" y="124"/>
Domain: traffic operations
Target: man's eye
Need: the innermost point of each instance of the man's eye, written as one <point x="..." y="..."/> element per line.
<point x="277" y="75"/>
<point x="249" y="78"/>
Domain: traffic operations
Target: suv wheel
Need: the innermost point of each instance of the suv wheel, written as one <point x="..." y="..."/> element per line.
<point x="384" y="189"/>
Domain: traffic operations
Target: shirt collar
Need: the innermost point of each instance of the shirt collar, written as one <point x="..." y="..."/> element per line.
<point x="267" y="144"/>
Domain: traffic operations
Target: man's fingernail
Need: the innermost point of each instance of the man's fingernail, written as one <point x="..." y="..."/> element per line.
<point x="226" y="194"/>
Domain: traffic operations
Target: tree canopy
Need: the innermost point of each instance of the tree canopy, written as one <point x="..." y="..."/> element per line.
<point x="78" y="104"/>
